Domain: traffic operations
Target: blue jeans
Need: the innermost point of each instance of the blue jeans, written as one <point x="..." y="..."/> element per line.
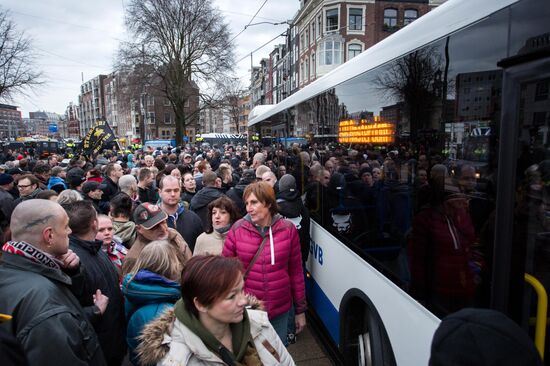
<point x="291" y="329"/>
<point x="280" y="324"/>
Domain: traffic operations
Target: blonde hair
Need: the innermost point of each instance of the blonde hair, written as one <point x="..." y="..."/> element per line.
<point x="160" y="257"/>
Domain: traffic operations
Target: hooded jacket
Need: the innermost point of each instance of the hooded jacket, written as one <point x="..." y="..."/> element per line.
<point x="100" y="273"/>
<point x="236" y="194"/>
<point x="168" y="342"/>
<point x="276" y="277"/>
<point x="292" y="208"/>
<point x="126" y="231"/>
<point x="147" y="295"/>
<point x="57" y="184"/>
<point x="199" y="202"/>
<point x="46" y="314"/>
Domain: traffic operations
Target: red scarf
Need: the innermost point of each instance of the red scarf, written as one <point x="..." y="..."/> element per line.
<point x="29" y="251"/>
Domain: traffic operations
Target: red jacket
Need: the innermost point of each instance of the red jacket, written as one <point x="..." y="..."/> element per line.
<point x="440" y="254"/>
<point x="280" y="284"/>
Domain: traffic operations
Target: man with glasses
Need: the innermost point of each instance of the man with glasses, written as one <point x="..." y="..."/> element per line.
<point x="28" y="186"/>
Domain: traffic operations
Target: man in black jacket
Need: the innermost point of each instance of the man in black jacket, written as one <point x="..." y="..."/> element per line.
<point x="36" y="275"/>
<point x="113" y="172"/>
<point x="186" y="222"/>
<point x="236" y="193"/>
<point x="100" y="274"/>
<point x="210" y="192"/>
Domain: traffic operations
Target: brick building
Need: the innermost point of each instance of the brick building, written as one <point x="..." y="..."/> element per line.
<point x="11" y="124"/>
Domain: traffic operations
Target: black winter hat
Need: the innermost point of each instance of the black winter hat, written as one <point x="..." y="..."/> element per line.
<point x="481" y="337"/>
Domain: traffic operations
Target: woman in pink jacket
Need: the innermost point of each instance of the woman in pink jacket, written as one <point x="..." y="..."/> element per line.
<point x="269" y="248"/>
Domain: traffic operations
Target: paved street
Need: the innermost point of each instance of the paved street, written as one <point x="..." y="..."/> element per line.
<point x="308" y="351"/>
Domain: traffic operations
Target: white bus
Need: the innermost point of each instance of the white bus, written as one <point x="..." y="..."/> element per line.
<point x="388" y="259"/>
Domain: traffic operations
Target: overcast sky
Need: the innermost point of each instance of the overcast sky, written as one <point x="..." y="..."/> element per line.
<point x="80" y="38"/>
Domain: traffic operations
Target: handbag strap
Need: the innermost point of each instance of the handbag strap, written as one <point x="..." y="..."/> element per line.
<point x="260" y="249"/>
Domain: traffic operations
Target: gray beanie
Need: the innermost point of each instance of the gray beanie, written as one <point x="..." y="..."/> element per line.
<point x="287" y="182"/>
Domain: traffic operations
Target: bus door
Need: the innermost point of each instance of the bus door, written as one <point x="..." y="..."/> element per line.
<point x="522" y="227"/>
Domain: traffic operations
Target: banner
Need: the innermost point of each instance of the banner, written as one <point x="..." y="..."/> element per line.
<point x="98" y="138"/>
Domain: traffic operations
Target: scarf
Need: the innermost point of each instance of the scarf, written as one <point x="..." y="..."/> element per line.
<point x="224" y="229"/>
<point x="29" y="251"/>
<point x="242" y="340"/>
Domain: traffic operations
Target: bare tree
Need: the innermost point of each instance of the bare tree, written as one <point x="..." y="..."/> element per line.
<point x="179" y="41"/>
<point x="17" y="69"/>
<point x="232" y="91"/>
<point x="416" y="81"/>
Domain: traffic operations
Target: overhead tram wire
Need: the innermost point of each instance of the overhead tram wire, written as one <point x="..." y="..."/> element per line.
<point x="262" y="46"/>
<point x="250" y="22"/>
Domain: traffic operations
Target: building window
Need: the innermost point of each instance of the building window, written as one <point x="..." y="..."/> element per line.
<point x="390" y="18"/>
<point x="355" y="19"/>
<point x="167" y="102"/>
<point x="313" y="65"/>
<point x="307" y="69"/>
<point x="167" y="118"/>
<point x="151" y="118"/>
<point x="307" y="39"/>
<point x="353" y="50"/>
<point x="542" y="90"/>
<point x="330" y="53"/>
<point x="319" y="25"/>
<point x="410" y="16"/>
<point x="331" y="20"/>
<point x="313" y="32"/>
<point x="302" y="45"/>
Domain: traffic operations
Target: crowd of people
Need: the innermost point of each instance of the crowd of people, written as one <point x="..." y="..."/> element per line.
<point x="196" y="255"/>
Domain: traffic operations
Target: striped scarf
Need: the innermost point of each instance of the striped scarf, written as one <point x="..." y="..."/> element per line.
<point x="29" y="251"/>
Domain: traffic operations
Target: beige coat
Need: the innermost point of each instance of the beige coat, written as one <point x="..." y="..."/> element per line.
<point x="210" y="243"/>
<point x="168" y="342"/>
<point x="133" y="253"/>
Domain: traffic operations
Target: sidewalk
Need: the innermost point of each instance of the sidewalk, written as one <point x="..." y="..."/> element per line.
<point x="307" y="351"/>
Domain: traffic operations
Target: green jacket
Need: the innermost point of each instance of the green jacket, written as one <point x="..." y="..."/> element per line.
<point x="47" y="319"/>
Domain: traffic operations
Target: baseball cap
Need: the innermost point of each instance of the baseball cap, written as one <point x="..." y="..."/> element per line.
<point x="91" y="185"/>
<point x="148" y="215"/>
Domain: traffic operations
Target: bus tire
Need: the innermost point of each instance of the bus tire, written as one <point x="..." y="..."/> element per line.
<point x="363" y="337"/>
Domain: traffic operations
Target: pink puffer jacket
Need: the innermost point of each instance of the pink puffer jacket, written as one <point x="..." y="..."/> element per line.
<point x="280" y="284"/>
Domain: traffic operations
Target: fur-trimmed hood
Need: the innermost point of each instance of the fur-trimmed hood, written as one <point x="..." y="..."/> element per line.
<point x="154" y="341"/>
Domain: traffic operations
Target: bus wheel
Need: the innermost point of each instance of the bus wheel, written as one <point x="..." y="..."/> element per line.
<point x="363" y="337"/>
<point x="365" y="352"/>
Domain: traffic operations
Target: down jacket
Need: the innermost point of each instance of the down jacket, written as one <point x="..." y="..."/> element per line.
<point x="168" y="342"/>
<point x="278" y="279"/>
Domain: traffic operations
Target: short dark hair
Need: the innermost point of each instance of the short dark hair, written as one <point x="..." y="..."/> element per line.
<point x="81" y="216"/>
<point x="144" y="173"/>
<point x="109" y="168"/>
<point x="209" y="178"/>
<point x="208" y="278"/>
<point x="225" y="203"/>
<point x="264" y="193"/>
<point x="121" y="205"/>
<point x="30" y="177"/>
<point x="47" y="194"/>
<point x="41" y="169"/>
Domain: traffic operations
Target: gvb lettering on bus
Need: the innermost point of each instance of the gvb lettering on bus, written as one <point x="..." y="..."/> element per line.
<point x="316" y="251"/>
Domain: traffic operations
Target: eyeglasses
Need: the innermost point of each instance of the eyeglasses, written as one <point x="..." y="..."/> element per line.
<point x="20" y="186"/>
